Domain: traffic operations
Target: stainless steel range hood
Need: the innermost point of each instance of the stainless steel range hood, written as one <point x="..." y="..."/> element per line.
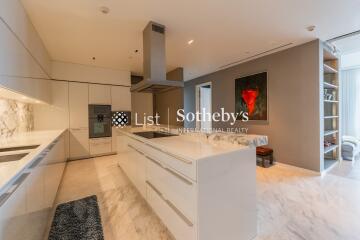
<point x="154" y="62"/>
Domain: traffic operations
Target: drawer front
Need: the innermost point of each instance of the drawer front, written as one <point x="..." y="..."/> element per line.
<point x="100" y="146"/>
<point x="174" y="187"/>
<point x="178" y="225"/>
<point x="134" y="164"/>
<point x="183" y="166"/>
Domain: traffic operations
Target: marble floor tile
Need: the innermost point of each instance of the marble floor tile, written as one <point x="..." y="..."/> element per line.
<point x="292" y="203"/>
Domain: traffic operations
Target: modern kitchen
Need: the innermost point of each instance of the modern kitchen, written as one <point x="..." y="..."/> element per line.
<point x="119" y="120"/>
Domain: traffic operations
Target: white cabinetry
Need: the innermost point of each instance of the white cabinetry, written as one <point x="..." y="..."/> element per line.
<point x="120" y="98"/>
<point x="79" y="120"/>
<point x="100" y="146"/>
<point x="26" y="205"/>
<point x="206" y="199"/>
<point x="99" y="94"/>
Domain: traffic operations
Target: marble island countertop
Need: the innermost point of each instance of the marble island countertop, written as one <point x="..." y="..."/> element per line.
<point x="10" y="170"/>
<point x="196" y="146"/>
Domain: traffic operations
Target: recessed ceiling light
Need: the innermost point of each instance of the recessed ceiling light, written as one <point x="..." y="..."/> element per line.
<point x="104" y="10"/>
<point x="37" y="101"/>
<point x="23" y="97"/>
<point x="190" y="41"/>
<point x="311" y="28"/>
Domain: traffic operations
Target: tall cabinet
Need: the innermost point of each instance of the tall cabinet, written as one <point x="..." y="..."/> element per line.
<point x="79" y="120"/>
<point x="331" y="110"/>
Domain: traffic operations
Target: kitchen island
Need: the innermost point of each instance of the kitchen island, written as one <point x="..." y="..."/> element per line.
<point x="201" y="186"/>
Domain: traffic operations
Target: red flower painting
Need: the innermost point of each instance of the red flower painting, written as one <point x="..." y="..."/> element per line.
<point x="251" y="96"/>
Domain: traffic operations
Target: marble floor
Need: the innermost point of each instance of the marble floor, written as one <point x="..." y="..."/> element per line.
<point x="292" y="203"/>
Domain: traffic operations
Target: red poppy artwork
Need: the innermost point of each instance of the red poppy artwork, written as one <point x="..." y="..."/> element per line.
<point x="251" y="96"/>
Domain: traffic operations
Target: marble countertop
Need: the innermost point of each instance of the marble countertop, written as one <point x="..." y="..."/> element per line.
<point x="10" y="170"/>
<point x="196" y="146"/>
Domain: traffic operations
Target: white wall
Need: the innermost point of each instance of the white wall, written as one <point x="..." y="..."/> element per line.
<point x="90" y="74"/>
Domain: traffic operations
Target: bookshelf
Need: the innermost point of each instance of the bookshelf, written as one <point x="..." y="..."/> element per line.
<point x="331" y="110"/>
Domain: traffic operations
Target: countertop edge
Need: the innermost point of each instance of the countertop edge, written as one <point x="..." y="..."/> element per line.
<point x="38" y="150"/>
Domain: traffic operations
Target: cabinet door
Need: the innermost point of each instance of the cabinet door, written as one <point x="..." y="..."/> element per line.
<point x="120" y="98"/>
<point x="79" y="143"/>
<point x="79" y="105"/>
<point x="99" y="94"/>
<point x="100" y="146"/>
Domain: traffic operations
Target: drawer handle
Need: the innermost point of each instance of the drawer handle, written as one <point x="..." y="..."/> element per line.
<point x="171" y="205"/>
<point x="5" y="196"/>
<point x="170" y="171"/>
<point x="172" y="155"/>
<point x="130" y="146"/>
<point x="37" y="161"/>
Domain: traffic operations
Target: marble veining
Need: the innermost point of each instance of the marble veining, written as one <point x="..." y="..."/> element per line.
<point x="292" y="203"/>
<point x="15" y="117"/>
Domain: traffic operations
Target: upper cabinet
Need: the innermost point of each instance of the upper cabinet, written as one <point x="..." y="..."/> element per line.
<point x="99" y="94"/>
<point x="15" y="60"/>
<point x="120" y="98"/>
<point x="78" y="105"/>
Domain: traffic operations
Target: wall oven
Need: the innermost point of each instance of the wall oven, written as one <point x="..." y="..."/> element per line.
<point x="100" y="121"/>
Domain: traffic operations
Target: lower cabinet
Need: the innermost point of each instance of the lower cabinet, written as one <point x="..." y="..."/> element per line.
<point x="99" y="146"/>
<point x="26" y="205"/>
<point x="171" y="195"/>
<point x="79" y="143"/>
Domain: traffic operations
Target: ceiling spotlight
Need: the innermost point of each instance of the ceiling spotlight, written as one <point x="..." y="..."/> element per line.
<point x="190" y="41"/>
<point x="311" y="28"/>
<point x="104" y="10"/>
<point x="24" y="98"/>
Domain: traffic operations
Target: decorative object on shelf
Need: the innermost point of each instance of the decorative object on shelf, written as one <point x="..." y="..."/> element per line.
<point x="251" y="96"/>
<point x="329" y="96"/>
<point x="327" y="144"/>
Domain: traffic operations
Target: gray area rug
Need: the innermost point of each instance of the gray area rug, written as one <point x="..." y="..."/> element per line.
<point x="77" y="220"/>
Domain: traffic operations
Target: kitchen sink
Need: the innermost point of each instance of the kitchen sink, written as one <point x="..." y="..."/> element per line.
<point x="9" y="149"/>
<point x="154" y="134"/>
<point x="13" y="157"/>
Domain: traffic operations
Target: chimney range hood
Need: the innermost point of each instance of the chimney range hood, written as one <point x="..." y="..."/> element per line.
<point x="154" y="63"/>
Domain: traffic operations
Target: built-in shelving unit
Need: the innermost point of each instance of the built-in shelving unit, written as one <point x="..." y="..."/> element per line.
<point x="331" y="110"/>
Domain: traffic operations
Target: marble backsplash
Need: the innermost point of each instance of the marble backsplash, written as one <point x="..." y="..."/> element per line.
<point x="15" y="117"/>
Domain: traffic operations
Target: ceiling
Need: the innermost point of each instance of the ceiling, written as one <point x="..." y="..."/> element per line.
<point x="348" y="45"/>
<point x="223" y="31"/>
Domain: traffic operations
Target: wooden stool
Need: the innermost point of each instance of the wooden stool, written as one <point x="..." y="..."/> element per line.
<point x="265" y="154"/>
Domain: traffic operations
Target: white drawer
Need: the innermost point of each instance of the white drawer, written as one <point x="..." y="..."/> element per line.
<point x="100" y="146"/>
<point x="175" y="221"/>
<point x="183" y="166"/>
<point x="174" y="187"/>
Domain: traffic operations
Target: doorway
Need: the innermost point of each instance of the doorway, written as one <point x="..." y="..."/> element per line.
<point x="204" y="106"/>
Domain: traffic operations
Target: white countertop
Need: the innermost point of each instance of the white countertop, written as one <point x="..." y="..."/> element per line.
<point x="190" y="146"/>
<point x="9" y="170"/>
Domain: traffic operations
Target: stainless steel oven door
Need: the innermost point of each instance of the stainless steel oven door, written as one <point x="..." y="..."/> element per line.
<point x="99" y="129"/>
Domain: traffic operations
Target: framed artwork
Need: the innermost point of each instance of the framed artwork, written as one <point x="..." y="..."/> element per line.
<point x="251" y="96"/>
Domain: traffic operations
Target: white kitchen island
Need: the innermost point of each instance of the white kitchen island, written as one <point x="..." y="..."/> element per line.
<point x="200" y="188"/>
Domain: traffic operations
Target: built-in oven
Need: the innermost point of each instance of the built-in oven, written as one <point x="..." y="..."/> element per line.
<point x="100" y="121"/>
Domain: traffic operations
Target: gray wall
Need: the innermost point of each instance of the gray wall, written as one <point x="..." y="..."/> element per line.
<point x="294" y="107"/>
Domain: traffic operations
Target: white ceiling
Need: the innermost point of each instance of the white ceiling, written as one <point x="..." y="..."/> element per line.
<point x="224" y="31"/>
<point x="348" y="45"/>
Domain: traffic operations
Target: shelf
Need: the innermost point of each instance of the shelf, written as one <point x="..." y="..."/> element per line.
<point x="330" y="148"/>
<point x="330" y="132"/>
<point x="328" y="69"/>
<point x="329" y="163"/>
<point x="329" y="85"/>
<point x="330" y="117"/>
<point x="331" y="101"/>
